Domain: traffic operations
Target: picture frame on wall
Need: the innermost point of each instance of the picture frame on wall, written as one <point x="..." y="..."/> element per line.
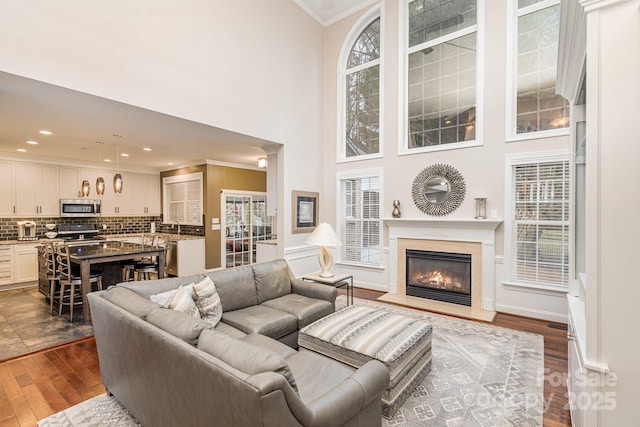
<point x="304" y="218"/>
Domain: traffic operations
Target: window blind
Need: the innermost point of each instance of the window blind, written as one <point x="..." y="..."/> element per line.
<point x="361" y="231"/>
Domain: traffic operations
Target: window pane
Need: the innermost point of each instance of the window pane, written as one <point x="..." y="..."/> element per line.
<point x="541" y="223"/>
<point x="363" y="112"/>
<point x="442" y="93"/>
<point x="538" y="107"/>
<point x="367" y="46"/>
<point x="430" y="19"/>
<point x="360" y="231"/>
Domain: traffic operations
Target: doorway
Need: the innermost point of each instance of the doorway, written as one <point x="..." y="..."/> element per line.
<point x="244" y="222"/>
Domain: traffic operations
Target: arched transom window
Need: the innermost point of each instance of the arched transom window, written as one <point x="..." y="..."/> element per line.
<point x="361" y="83"/>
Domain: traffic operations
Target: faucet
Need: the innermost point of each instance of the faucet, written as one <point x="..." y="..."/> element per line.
<point x="174" y="223"/>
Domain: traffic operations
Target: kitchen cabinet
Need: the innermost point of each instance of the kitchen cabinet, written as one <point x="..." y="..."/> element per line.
<point x="36" y="189"/>
<point x="6" y="270"/>
<point x="185" y="256"/>
<point x="146" y="189"/>
<point x="69" y="182"/>
<point x="25" y="262"/>
<point x="6" y="189"/>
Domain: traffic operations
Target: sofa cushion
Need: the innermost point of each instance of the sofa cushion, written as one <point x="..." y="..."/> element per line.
<point x="178" y="324"/>
<point x="244" y="356"/>
<point x="229" y="330"/>
<point x="235" y="287"/>
<point x="270" y="344"/>
<point x="324" y="375"/>
<point x="272" y="279"/>
<point x="306" y="309"/>
<point x="183" y="301"/>
<point x="258" y="319"/>
<point x="130" y="301"/>
<point x="208" y="300"/>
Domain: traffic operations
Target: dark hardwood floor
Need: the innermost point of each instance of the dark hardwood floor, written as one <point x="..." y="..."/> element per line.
<point x="45" y="382"/>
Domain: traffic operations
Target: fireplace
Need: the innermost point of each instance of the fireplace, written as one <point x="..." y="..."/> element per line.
<point x="440" y="276"/>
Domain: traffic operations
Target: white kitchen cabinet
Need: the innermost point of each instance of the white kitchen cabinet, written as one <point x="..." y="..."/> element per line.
<point x="25" y="262"/>
<point x="69" y="182"/>
<point x="146" y="188"/>
<point x="7" y="204"/>
<point x="109" y="203"/>
<point x="6" y="265"/>
<point x="36" y="189"/>
<point x="185" y="257"/>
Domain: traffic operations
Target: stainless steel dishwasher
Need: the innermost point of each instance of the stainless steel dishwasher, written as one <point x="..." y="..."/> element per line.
<point x="172" y="258"/>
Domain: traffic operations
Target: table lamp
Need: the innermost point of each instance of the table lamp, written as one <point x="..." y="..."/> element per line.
<point x="324" y="236"/>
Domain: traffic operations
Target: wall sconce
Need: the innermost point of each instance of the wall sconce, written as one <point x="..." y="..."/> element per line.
<point x="85" y="188"/>
<point x="262" y="162"/>
<point x="100" y="186"/>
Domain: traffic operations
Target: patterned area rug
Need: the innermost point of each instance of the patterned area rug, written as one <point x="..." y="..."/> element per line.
<point x="482" y="375"/>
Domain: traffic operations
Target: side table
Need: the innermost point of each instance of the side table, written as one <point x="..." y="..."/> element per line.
<point x="337" y="281"/>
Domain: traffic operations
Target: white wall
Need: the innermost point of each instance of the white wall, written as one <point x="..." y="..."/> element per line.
<point x="482" y="167"/>
<point x="251" y="66"/>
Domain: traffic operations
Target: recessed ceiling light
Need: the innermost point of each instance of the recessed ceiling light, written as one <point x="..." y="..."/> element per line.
<point x="170" y="163"/>
<point x="22" y="150"/>
<point x="46" y="132"/>
<point x="107" y="160"/>
<point x="147" y="149"/>
<point x="32" y="142"/>
<point x="124" y="155"/>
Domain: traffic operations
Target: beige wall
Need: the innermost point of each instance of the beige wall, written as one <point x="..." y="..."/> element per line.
<point x="483" y="168"/>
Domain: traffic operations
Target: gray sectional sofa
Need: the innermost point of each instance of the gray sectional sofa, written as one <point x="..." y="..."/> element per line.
<point x="169" y="368"/>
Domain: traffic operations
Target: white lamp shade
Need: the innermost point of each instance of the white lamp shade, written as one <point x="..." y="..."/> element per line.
<point x="324" y="235"/>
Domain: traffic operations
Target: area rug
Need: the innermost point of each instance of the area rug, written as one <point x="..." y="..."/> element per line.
<point x="482" y="375"/>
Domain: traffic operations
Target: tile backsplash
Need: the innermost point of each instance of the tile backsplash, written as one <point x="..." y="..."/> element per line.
<point x="114" y="225"/>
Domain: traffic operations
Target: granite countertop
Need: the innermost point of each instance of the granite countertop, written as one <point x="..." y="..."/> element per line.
<point x="268" y="242"/>
<point x="169" y="236"/>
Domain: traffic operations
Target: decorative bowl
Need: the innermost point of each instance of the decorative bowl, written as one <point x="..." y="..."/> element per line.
<point x="50" y="227"/>
<point x="51" y="234"/>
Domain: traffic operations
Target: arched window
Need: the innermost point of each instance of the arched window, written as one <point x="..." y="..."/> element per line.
<point x="360" y="99"/>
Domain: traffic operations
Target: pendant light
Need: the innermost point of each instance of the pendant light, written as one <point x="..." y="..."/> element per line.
<point x="117" y="178"/>
<point x="85" y="188"/>
<point x="100" y="180"/>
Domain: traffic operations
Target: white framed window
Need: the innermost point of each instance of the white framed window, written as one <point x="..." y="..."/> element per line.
<point x="535" y="109"/>
<point x="359" y="217"/>
<point x="183" y="199"/>
<point x="537" y="220"/>
<point x="359" y="91"/>
<point x="442" y="71"/>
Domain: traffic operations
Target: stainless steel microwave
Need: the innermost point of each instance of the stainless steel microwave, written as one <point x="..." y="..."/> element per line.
<point x="79" y="207"/>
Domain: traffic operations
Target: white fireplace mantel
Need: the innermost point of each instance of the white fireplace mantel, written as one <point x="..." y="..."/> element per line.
<point x="452" y="229"/>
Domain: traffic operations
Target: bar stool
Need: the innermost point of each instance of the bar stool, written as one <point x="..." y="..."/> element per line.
<point x="147" y="266"/>
<point x="71" y="281"/>
<point x="53" y="273"/>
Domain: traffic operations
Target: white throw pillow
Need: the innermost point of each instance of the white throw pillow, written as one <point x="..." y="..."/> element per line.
<point x="182" y="301"/>
<point x="165" y="298"/>
<point x="208" y="300"/>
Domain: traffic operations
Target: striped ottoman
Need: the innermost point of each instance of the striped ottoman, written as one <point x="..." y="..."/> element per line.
<point x="355" y="335"/>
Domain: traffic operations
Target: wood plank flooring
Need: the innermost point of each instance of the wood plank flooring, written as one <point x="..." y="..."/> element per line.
<point x="37" y="385"/>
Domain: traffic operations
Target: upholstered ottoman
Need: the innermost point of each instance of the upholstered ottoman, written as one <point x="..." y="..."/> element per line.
<point x="355" y="335"/>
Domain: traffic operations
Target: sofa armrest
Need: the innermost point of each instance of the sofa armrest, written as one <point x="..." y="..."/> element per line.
<point x="314" y="290"/>
<point x="364" y="387"/>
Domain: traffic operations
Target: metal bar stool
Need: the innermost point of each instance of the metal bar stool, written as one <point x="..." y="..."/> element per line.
<point x="71" y="282"/>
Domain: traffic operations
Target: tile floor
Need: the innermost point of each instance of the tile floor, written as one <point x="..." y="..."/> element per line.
<point x="26" y="325"/>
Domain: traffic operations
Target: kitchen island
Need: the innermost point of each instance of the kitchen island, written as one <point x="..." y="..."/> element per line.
<point x="87" y="254"/>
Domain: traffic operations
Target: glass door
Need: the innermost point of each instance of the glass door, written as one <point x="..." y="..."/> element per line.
<point x="245" y="223"/>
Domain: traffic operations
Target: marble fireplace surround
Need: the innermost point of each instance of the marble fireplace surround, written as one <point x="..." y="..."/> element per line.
<point x="473" y="236"/>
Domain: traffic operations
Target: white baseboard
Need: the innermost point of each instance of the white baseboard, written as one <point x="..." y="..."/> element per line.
<point x="535" y="314"/>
